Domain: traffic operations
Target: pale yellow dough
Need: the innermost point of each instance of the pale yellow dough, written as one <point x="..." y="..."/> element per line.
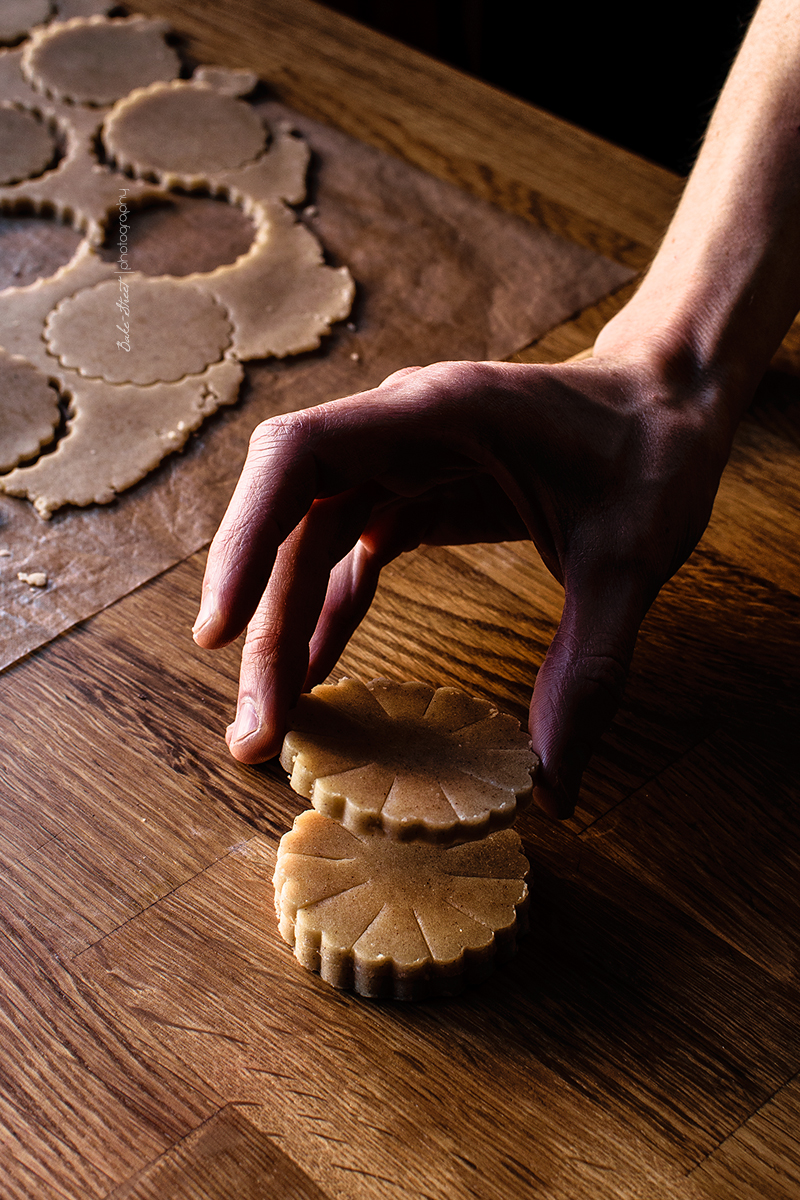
<point x="138" y="330"/>
<point x="96" y="60"/>
<point x="407" y="760"/>
<point x="398" y="921"/>
<point x="185" y="128"/>
<point x="30" y="411"/>
<point x="131" y="408"/>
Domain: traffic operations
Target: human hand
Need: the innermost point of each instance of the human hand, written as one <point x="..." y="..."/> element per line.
<point x="609" y="465"/>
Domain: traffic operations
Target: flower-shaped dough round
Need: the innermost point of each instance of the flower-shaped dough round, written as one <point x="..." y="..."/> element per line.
<point x="183" y="128"/>
<point x="30" y="411"/>
<point x="408" y="760"/>
<point x="95" y="60"/>
<point x="397" y="920"/>
<point x="26" y="145"/>
<point x="153" y="330"/>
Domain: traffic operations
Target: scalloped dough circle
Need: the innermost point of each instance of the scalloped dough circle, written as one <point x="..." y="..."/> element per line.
<point x="184" y="128"/>
<point x="30" y="410"/>
<point x="407" y="760"/>
<point x="17" y="17"/>
<point x="96" y="60"/>
<point x="26" y="145"/>
<point x="173" y="329"/>
<point x="398" y="921"/>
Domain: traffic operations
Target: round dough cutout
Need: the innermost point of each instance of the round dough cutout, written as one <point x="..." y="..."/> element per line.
<point x="27" y="147"/>
<point x="31" y="413"/>
<point x="183" y="129"/>
<point x="96" y="60"/>
<point x="398" y="921"/>
<point x="154" y="330"/>
<point x="413" y="762"/>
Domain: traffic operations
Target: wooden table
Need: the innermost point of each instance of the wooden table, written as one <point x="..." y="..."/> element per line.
<point x="158" y="1039"/>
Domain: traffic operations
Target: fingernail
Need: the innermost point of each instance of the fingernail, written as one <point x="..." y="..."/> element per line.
<point x="208" y="611"/>
<point x="247" y="721"/>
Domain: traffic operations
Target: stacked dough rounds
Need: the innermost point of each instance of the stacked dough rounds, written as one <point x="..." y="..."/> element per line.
<point x="406" y="881"/>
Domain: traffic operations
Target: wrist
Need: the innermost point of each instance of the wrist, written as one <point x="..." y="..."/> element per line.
<point x="688" y="349"/>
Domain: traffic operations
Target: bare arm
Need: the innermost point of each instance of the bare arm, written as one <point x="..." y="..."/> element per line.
<point x="610" y="465"/>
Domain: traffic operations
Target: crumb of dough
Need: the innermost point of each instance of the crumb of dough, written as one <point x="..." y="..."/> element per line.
<point x="407" y="760"/>
<point x="96" y="60"/>
<point x="4" y="553"/>
<point x="398" y="921"/>
<point x="30" y="411"/>
<point x="184" y="128"/>
<point x="231" y="81"/>
<point x="17" y="17"/>
<point x="36" y="579"/>
<point x="26" y="145"/>
<point x="138" y="330"/>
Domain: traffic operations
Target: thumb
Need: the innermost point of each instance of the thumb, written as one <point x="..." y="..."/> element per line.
<point x="580" y="683"/>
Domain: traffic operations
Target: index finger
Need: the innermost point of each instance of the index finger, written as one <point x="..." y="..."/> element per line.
<point x="292" y="461"/>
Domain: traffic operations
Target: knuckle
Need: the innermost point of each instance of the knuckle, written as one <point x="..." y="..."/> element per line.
<point x="279" y="433"/>
<point x="605" y="672"/>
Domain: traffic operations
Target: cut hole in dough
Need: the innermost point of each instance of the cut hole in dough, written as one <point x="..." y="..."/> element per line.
<point x="407" y="760"/>
<point x="180" y="235"/>
<point x="34" y="247"/>
<point x="397" y="921"/>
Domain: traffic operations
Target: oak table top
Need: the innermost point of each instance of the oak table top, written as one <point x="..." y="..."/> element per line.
<point x="157" y="1039"/>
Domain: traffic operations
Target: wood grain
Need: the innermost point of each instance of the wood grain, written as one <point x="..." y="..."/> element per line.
<point x="227" y="1156"/>
<point x="157" y="1038"/>
<point x="759" y="1161"/>
<point x="439" y="119"/>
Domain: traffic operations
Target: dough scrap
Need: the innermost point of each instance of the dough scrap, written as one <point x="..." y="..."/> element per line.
<point x="30" y="410"/>
<point x="230" y="81"/>
<point x="278" y="298"/>
<point x="26" y="145"/>
<point x="407" y="760"/>
<point x="18" y="17"/>
<point x="137" y="329"/>
<point x="394" y="920"/>
<point x="184" y="128"/>
<point x="96" y="60"/>
<point x="120" y="433"/>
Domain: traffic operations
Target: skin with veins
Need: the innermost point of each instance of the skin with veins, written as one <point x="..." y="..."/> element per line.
<point x="395" y="920"/>
<point x="188" y="336"/>
<point x="408" y="761"/>
<point x="30" y="410"/>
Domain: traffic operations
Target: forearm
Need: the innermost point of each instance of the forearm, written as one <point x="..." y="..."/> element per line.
<point x="725" y="284"/>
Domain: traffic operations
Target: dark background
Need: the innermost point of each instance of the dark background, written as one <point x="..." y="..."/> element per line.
<point x="644" y="77"/>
